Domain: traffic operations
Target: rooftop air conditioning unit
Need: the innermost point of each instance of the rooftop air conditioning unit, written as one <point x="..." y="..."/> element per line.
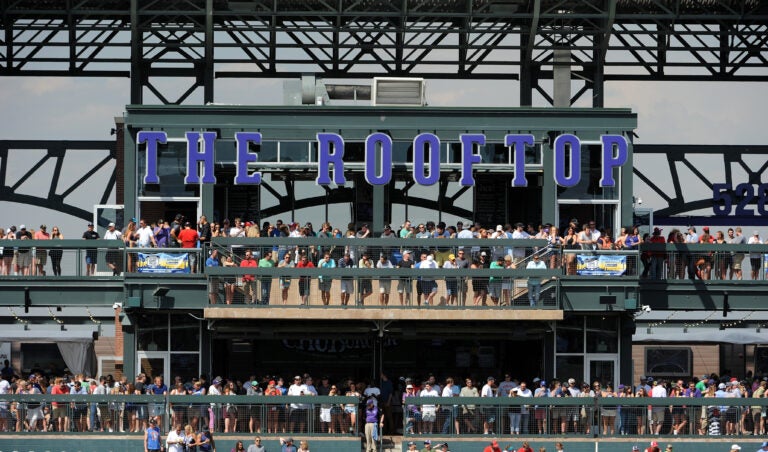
<point x="399" y="92"/>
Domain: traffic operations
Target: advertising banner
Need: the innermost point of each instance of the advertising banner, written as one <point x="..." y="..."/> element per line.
<point x="605" y="265"/>
<point x="163" y="263"/>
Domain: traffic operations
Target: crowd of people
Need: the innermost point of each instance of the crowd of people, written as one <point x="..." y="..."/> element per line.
<point x="705" y="265"/>
<point x="185" y="233"/>
<point x="386" y="406"/>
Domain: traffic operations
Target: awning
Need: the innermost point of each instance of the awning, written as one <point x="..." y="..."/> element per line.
<point x="75" y="342"/>
<point x="52" y="333"/>
<point x="740" y="327"/>
<point x="700" y="334"/>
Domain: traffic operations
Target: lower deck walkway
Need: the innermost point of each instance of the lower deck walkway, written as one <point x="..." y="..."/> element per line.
<point x="42" y="442"/>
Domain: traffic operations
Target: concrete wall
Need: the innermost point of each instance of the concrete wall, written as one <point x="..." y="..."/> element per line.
<point x="680" y="444"/>
<point x="76" y="443"/>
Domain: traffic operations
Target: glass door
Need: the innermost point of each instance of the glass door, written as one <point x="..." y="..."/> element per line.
<point x="602" y="368"/>
<point x="154" y="364"/>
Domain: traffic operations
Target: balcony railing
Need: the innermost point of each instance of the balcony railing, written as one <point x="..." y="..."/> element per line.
<point x="130" y="413"/>
<point x="111" y="258"/>
<point x="417" y="416"/>
<point x="92" y="258"/>
<point x="579" y="416"/>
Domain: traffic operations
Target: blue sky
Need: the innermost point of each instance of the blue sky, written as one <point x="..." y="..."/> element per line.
<point x="84" y="108"/>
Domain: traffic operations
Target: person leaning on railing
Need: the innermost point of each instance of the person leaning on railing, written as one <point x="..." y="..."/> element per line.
<point x="129" y="238"/>
<point x="56" y="253"/>
<point x="213" y="282"/>
<point x="757" y="411"/>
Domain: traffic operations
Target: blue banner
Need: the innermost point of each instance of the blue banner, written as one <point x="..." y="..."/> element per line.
<point x="604" y="265"/>
<point x="163" y="263"/>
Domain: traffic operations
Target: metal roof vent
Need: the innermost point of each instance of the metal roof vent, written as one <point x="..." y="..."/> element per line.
<point x="400" y="92"/>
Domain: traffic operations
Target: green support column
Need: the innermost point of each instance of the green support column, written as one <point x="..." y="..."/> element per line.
<point x="206" y="343"/>
<point x="129" y="346"/>
<point x="626" y="330"/>
<point x="626" y="185"/>
<point x="378" y="204"/>
<point x="549" y="188"/>
<point x="206" y="200"/>
<point x="131" y="169"/>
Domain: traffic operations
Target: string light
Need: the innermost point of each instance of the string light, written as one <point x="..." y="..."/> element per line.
<point x="90" y="315"/>
<point x="700" y="322"/>
<point x="18" y="319"/>
<point x="662" y="322"/>
<point x="53" y="316"/>
<point x="738" y="322"/>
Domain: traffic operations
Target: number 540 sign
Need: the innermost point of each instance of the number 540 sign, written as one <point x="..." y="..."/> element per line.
<point x="724" y="197"/>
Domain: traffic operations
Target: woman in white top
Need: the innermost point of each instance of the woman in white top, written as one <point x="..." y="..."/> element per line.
<point x="237" y="229"/>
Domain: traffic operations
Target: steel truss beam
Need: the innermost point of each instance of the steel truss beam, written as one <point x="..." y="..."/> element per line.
<point x="689" y="170"/>
<point x="199" y="40"/>
<point x="55" y="197"/>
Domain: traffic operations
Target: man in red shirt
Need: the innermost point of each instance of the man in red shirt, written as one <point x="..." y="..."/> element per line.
<point x="657" y="257"/>
<point x="59" y="416"/>
<point x="493" y="447"/>
<point x="249" y="281"/>
<point x="188" y="238"/>
<point x="41" y="254"/>
<point x="304" y="281"/>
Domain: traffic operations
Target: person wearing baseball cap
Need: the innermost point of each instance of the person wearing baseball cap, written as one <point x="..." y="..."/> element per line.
<point x="735" y="447"/>
<point x="488" y="418"/>
<point x="91" y="254"/>
<point x="763" y="447"/>
<point x="287" y="445"/>
<point x="152" y="440"/>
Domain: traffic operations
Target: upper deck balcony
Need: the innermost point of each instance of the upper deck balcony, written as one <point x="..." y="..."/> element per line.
<point x="585" y="280"/>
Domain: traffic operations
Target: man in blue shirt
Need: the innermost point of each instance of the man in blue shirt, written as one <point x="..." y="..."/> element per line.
<point x="152" y="440"/>
<point x="213" y="283"/>
<point x="157" y="409"/>
<point x="287" y="445"/>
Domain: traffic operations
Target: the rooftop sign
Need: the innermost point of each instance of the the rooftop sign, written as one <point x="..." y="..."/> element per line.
<point x="378" y="157"/>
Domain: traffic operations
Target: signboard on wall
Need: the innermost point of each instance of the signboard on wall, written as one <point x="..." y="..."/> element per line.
<point x="162" y="263"/>
<point x="593" y="265"/>
<point x="490" y="199"/>
<point x="668" y="361"/>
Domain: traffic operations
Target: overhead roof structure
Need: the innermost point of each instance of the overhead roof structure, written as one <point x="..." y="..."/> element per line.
<point x="201" y="40"/>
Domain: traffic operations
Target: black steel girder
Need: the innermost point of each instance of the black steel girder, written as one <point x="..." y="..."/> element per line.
<point x="26" y="188"/>
<point x="705" y="184"/>
<point x="199" y="40"/>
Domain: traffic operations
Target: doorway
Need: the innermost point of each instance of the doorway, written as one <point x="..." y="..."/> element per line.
<point x="153" y="364"/>
<point x="153" y="210"/>
<point x="602" y="368"/>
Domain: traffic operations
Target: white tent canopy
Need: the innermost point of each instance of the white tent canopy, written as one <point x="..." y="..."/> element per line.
<point x="75" y="342"/>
